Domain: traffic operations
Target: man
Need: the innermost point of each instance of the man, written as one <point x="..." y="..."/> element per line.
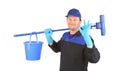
<point x="76" y="46"/>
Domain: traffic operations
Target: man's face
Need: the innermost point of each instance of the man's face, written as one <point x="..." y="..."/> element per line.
<point x="73" y="22"/>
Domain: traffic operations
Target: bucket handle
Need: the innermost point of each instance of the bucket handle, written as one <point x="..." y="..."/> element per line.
<point x="31" y="36"/>
<point x="30" y="39"/>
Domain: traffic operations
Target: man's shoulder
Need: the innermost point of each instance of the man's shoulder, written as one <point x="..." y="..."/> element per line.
<point x="65" y="34"/>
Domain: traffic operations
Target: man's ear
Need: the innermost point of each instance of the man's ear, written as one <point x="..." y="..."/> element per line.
<point x="80" y="22"/>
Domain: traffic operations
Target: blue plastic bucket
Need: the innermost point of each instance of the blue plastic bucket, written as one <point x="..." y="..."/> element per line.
<point x="33" y="49"/>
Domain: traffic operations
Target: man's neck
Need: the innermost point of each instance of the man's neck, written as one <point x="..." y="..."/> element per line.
<point x="73" y="31"/>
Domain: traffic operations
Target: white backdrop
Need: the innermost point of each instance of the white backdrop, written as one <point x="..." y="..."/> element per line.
<point x="24" y="16"/>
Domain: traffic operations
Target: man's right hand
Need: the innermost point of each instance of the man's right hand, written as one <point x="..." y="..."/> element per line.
<point x="84" y="30"/>
<point x="48" y="34"/>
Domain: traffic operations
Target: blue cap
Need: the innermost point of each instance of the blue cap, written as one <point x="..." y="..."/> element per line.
<point x="74" y="12"/>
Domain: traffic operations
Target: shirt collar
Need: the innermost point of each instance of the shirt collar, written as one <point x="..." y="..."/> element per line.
<point x="77" y="33"/>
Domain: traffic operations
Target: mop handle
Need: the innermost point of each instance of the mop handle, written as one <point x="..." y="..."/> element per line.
<point x="17" y="35"/>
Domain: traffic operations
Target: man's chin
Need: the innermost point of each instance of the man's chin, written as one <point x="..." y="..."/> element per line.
<point x="72" y="29"/>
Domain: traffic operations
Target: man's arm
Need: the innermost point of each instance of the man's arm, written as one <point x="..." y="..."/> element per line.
<point x="92" y="54"/>
<point x="55" y="46"/>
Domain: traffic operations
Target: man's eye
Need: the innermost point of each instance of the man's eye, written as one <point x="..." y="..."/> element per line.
<point x="75" y="19"/>
<point x="69" y="19"/>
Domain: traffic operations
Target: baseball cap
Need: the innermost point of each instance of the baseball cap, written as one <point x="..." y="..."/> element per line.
<point x="74" y="12"/>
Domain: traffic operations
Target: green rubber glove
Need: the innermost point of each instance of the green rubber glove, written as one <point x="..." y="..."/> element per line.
<point x="48" y="34"/>
<point x="84" y="30"/>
